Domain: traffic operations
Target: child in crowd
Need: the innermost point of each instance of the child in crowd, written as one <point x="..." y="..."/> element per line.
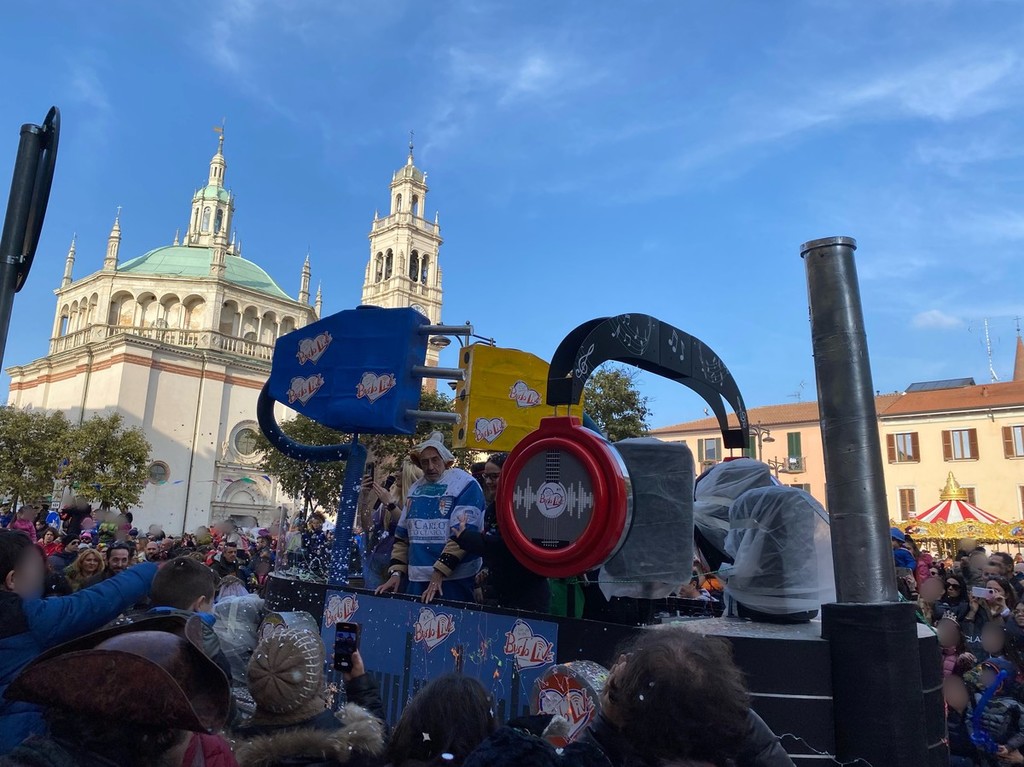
<point x="1002" y="718"/>
<point x="962" y="751"/>
<point x="186" y="587"/>
<point x="25" y="522"/>
<point x="955" y="658"/>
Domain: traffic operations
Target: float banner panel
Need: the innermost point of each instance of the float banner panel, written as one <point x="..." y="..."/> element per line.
<point x="352" y="371"/>
<point x="406" y="644"/>
<point x="501" y="399"/>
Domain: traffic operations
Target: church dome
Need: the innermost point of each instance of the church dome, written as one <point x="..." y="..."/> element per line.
<point x="185" y="261"/>
<point x="213" y="192"/>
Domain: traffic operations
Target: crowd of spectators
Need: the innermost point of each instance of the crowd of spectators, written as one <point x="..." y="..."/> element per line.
<point x="973" y="602"/>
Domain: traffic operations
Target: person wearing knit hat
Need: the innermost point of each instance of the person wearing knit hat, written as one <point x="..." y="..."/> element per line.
<point x="292" y="724"/>
<point x="437" y="508"/>
<point x="286" y="682"/>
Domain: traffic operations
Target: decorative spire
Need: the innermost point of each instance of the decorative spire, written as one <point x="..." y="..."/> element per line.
<point x="319" y="302"/>
<point x="69" y="263"/>
<point x="409" y="161"/>
<point x="218" y="164"/>
<point x="177" y="236"/>
<point x="113" y="243"/>
<point x="304" y="281"/>
<point x="952" y="491"/>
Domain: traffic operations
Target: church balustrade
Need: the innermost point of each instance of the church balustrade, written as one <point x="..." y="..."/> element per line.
<point x="192" y="339"/>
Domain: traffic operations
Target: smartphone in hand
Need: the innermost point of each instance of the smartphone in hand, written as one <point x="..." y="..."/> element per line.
<point x="346" y="643"/>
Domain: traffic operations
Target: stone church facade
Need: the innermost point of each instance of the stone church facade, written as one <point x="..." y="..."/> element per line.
<point x="179" y="341"/>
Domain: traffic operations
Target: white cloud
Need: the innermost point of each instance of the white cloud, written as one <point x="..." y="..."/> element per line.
<point x="935" y="319"/>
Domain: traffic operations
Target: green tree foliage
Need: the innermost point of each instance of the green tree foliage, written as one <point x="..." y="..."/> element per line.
<point x="317" y="484"/>
<point x="107" y="462"/>
<point x="612" y="399"/>
<point x="32" y="445"/>
<point x="389" y="450"/>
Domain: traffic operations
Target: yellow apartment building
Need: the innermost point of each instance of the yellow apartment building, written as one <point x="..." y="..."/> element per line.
<point x="975" y="431"/>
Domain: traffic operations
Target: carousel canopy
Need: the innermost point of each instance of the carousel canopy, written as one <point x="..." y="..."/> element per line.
<point x="953" y="508"/>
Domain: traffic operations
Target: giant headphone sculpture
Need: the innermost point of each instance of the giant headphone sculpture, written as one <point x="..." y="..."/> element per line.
<point x="565" y="500"/>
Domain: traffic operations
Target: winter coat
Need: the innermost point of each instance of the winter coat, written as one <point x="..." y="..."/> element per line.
<point x="1003" y="720"/>
<point x="958" y="728"/>
<point x="26" y="527"/>
<point x="761" y="747"/>
<point x="208" y="751"/>
<point x="28" y="627"/>
<point x="50" y="549"/>
<point x="356" y="741"/>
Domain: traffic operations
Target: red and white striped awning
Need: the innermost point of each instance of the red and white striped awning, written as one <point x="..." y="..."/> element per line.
<point x="953" y="511"/>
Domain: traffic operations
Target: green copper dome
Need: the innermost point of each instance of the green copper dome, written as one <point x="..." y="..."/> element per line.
<point x="213" y="192"/>
<point x="183" y="261"/>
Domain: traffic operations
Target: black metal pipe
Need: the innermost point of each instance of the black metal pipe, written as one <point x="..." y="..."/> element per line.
<point x="861" y="545"/>
<point x="16" y="222"/>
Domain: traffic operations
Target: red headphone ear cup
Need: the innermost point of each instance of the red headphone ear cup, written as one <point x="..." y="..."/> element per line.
<point x="564" y="503"/>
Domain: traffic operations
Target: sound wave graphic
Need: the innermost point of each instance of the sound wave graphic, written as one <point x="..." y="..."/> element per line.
<point x="578" y="499"/>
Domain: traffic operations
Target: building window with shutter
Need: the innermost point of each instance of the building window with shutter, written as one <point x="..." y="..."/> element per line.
<point x="1020" y="492"/>
<point x="1013" y="441"/>
<point x="750" y="451"/>
<point x="960" y="445"/>
<point x="709" y="451"/>
<point x="908" y="502"/>
<point x="903" y="447"/>
<point x="972" y="496"/>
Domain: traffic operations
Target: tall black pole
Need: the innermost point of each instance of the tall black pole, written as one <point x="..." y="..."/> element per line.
<point x="874" y="644"/>
<point x="16" y="224"/>
<point x="861" y="546"/>
<point x="26" y="209"/>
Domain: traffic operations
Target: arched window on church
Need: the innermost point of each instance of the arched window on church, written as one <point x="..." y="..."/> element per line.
<point x="398" y="203"/>
<point x="218" y="221"/>
<point x="415" y="205"/>
<point x="206" y="219"/>
<point x="414" y="266"/>
<point x="379" y="268"/>
<point x="389" y="263"/>
<point x="423" y="268"/>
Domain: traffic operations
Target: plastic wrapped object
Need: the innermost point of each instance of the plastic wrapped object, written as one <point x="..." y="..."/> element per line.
<point x="237" y="628"/>
<point x="571" y="691"/>
<point x="298" y="619"/>
<point x="657" y="554"/>
<point x="715" y="492"/>
<point x="782" y="551"/>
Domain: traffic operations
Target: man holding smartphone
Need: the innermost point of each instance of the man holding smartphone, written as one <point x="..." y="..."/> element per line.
<point x="425" y="546"/>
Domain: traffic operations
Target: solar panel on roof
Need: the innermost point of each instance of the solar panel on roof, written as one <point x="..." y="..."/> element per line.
<point x="949" y="383"/>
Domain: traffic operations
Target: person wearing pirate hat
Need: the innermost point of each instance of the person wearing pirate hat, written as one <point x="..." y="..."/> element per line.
<point x="131" y="695"/>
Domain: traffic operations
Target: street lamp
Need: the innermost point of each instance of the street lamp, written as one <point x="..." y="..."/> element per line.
<point x="763" y="434"/>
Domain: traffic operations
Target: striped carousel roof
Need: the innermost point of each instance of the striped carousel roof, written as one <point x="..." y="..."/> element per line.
<point x="953" y="507"/>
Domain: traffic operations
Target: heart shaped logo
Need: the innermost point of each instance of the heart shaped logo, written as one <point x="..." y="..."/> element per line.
<point x="489" y="429"/>
<point x="312" y="349"/>
<point x="340" y="609"/>
<point x="528" y="649"/>
<point x="551" y="499"/>
<point x="433" y="628"/>
<point x="563" y="696"/>
<point x="523" y="395"/>
<point x="373" y="386"/>
<point x="302" y="389"/>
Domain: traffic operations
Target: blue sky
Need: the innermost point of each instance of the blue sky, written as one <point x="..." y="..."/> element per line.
<point x="587" y="159"/>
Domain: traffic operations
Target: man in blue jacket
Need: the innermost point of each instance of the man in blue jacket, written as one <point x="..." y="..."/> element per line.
<point x="901" y="555"/>
<point x="29" y="625"/>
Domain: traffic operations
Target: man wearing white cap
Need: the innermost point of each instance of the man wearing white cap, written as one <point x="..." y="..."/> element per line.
<point x="437" y="506"/>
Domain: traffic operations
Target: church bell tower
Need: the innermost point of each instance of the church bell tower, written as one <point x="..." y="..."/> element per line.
<point x="404" y="269"/>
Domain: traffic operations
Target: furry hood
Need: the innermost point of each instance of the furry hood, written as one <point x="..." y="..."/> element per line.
<point x="359" y="732"/>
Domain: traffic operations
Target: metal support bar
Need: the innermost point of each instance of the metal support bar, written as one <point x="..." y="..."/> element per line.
<point x="427" y="371"/>
<point x="433" y="416"/>
<point x="445" y="330"/>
